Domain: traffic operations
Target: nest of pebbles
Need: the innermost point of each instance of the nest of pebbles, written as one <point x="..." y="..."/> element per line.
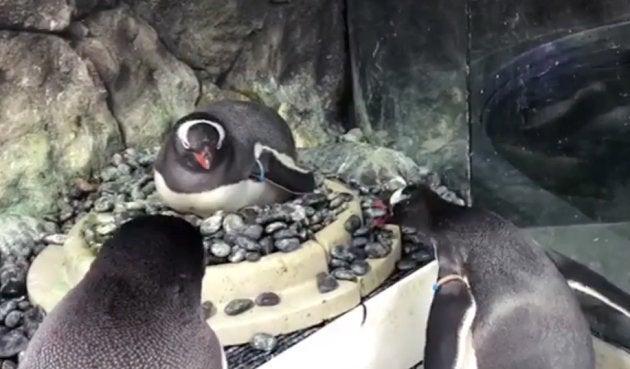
<point x="125" y="189"/>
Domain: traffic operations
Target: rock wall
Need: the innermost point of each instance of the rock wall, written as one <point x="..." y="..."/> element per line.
<point x="82" y="79"/>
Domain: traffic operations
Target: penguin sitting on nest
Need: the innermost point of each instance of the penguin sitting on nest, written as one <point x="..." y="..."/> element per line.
<point x="139" y="306"/>
<point x="499" y="300"/>
<point x="229" y="155"/>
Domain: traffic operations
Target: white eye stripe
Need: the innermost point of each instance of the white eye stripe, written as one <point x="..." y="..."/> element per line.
<point x="397" y="197"/>
<point x="182" y="131"/>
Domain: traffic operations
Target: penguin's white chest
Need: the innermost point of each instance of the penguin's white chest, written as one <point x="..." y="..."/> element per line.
<point x="228" y="198"/>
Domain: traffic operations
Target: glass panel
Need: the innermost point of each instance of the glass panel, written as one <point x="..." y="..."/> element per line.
<point x="409" y="75"/>
<point x="551" y="126"/>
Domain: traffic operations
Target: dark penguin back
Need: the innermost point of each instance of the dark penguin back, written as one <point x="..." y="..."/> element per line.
<point x="126" y="318"/>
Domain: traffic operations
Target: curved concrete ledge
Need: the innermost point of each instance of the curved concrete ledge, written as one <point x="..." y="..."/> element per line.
<point x="290" y="275"/>
<point x="397" y="316"/>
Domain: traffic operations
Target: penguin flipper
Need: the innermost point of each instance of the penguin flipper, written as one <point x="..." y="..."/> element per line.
<point x="281" y="170"/>
<point x="449" y="329"/>
<point x="605" y="306"/>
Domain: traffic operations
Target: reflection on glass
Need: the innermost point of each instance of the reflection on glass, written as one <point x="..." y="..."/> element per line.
<point x="551" y="145"/>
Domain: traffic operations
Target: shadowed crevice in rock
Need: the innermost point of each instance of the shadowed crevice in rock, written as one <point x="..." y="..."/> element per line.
<point x="148" y="87"/>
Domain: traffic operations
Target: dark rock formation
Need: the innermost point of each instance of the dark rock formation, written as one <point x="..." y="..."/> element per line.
<point x="42" y="15"/>
<point x="54" y="120"/>
<point x="148" y="87"/>
<point x="409" y="75"/>
<point x="290" y="55"/>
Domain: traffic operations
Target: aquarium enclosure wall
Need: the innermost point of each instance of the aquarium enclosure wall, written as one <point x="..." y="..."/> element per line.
<point x="521" y="106"/>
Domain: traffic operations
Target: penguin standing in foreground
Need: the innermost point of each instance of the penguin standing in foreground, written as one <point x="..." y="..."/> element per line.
<point x="139" y="306"/>
<point x="499" y="300"/>
<point x="228" y="155"/>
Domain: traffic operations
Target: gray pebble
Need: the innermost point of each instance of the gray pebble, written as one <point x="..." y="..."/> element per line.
<point x="212" y="224"/>
<point x="12" y="343"/>
<point x="285" y="233"/>
<point x="233" y="223"/>
<point x="344" y="274"/>
<point x="338" y="263"/>
<point x="208" y="309"/>
<point x="363" y="231"/>
<point x="326" y="283"/>
<point x="247" y="244"/>
<point x="410" y="248"/>
<point x="13" y="319"/>
<point x="360" y="267"/>
<point x="377" y="250"/>
<point x="313" y="199"/>
<point x="359" y="241"/>
<point x="266" y="245"/>
<point x="252" y="231"/>
<point x="287" y="244"/>
<point x="220" y="249"/>
<point x="341" y="252"/>
<point x="274" y="227"/>
<point x="352" y="223"/>
<point x="263" y="342"/>
<point x="237" y="255"/>
<point x="24" y="305"/>
<point x="267" y="299"/>
<point x="316" y="218"/>
<point x="406" y="264"/>
<point x="252" y="256"/>
<point x="273" y="215"/>
<point x="422" y="256"/>
<point x="357" y="252"/>
<point x="297" y="213"/>
<point x="238" y="306"/>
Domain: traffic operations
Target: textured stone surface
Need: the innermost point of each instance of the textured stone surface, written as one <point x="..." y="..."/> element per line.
<point x="53" y="117"/>
<point x="409" y="77"/>
<point x="44" y="15"/>
<point x="367" y="164"/>
<point x="290" y="55"/>
<point x="148" y="87"/>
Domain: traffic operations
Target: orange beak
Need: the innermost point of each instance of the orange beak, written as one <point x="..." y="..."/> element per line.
<point x="203" y="159"/>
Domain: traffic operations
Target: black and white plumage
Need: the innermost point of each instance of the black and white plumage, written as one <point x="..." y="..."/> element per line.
<point x="606" y="306"/>
<point x="229" y="155"/>
<point x="499" y="302"/>
<point x="138" y="306"/>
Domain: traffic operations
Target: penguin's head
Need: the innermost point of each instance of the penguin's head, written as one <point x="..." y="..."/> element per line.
<point x="408" y="205"/>
<point x="198" y="139"/>
<point x="160" y="249"/>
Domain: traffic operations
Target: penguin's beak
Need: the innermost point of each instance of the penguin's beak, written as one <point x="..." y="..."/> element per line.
<point x="203" y="158"/>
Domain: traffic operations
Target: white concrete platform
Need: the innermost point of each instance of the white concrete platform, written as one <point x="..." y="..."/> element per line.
<point x="393" y="335"/>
